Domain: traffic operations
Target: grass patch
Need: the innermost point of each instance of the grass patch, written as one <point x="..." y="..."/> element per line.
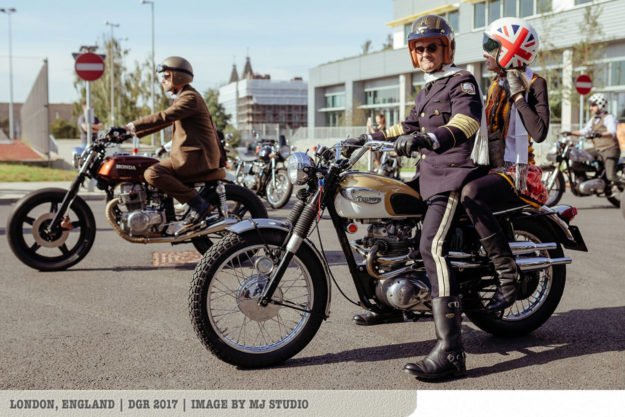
<point x="30" y="173"/>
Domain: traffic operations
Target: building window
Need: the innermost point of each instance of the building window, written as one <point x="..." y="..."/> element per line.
<point x="335" y="100"/>
<point x="407" y="28"/>
<point x="454" y="18"/>
<point x="582" y="1"/>
<point x="492" y="10"/>
<point x="382" y="96"/>
<point x="617" y="73"/>
<point x="333" y="118"/>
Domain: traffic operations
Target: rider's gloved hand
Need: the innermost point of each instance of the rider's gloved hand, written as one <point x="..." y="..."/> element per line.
<point x="517" y="82"/>
<point x="117" y="134"/>
<point x="350" y="144"/>
<point x="405" y="145"/>
<point x="596" y="135"/>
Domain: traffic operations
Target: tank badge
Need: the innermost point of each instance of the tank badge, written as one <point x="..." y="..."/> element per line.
<point x="362" y="195"/>
<point x="128" y="167"/>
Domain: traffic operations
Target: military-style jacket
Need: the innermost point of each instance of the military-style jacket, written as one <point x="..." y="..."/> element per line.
<point x="195" y="148"/>
<point x="451" y="109"/>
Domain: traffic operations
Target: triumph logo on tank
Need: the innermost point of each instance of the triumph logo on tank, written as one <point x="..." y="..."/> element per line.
<point x="128" y="167"/>
<point x="362" y="195"/>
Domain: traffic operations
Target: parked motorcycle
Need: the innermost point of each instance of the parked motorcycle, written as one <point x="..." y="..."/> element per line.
<point x="265" y="173"/>
<point x="260" y="294"/>
<point x="564" y="153"/>
<point x="52" y="229"/>
<point x="390" y="165"/>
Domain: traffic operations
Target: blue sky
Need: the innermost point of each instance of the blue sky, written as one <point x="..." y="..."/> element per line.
<point x="284" y="37"/>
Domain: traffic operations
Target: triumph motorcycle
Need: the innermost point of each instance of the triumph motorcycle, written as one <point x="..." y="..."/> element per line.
<point x="592" y="182"/>
<point x="259" y="295"/>
<point x="52" y="229"/>
<point x="264" y="173"/>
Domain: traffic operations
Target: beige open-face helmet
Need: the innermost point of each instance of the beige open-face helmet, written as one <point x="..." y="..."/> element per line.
<point x="181" y="69"/>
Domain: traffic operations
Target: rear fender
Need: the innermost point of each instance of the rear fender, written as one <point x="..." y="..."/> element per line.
<point x="567" y="235"/>
<point x="246" y="226"/>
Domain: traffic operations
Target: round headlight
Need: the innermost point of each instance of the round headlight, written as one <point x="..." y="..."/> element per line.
<point x="285" y="152"/>
<point x="296" y="164"/>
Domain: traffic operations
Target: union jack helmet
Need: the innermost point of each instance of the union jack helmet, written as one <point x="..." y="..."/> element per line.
<point x="600" y="100"/>
<point x="511" y="41"/>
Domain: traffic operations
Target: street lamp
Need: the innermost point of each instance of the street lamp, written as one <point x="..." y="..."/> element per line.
<point x="151" y="3"/>
<point x="11" y="120"/>
<point x="112" y="69"/>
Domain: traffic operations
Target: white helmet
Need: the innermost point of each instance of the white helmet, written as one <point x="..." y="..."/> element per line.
<point x="511" y="41"/>
<point x="600" y="100"/>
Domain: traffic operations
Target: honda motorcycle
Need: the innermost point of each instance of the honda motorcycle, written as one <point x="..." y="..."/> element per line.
<point x="52" y="229"/>
<point x="593" y="182"/>
<point x="259" y="295"/>
<point x="264" y="173"/>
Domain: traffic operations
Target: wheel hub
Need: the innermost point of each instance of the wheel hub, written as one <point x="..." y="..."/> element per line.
<point x="248" y="294"/>
<point x="48" y="238"/>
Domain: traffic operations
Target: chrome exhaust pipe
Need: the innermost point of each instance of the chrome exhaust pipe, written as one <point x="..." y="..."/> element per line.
<point x="536" y="264"/>
<point x="522" y="248"/>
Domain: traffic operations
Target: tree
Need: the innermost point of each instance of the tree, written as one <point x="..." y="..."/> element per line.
<point x="216" y="109"/>
<point x="366" y="47"/>
<point x="389" y="42"/>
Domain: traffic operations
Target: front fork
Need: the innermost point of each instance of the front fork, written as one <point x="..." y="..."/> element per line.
<point x="273" y="173"/>
<point x="296" y="237"/>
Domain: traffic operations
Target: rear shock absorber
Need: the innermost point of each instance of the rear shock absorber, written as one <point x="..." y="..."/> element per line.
<point x="223" y="205"/>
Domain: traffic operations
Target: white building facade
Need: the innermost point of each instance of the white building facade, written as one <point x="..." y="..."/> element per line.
<point x="385" y="81"/>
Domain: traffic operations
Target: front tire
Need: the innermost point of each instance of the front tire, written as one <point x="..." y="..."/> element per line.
<point x="557" y="184"/>
<point x="242" y="204"/>
<point x="224" y="293"/>
<point x="538" y="296"/>
<point x="279" y="195"/>
<point x="53" y="250"/>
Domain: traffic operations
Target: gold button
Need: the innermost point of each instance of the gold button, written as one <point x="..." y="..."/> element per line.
<point x="436" y="112"/>
<point x="422" y="156"/>
<point x="422" y="114"/>
<point x="452" y="165"/>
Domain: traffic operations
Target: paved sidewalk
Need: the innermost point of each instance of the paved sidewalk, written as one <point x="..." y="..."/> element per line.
<point x="10" y="192"/>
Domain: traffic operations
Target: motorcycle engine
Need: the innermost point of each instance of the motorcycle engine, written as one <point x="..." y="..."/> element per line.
<point x="594" y="186"/>
<point x="394" y="238"/>
<point x="137" y="219"/>
<point x="404" y="292"/>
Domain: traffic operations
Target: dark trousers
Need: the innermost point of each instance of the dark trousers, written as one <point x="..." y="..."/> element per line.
<point x="479" y="195"/>
<point x="434" y="244"/>
<point x="163" y="177"/>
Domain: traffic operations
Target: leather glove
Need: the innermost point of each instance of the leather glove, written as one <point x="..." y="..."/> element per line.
<point x="117" y="134"/>
<point x="596" y="135"/>
<point x="517" y="82"/>
<point x="405" y="145"/>
<point x="350" y="144"/>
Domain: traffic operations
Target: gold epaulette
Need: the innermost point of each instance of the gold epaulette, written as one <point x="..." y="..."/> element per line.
<point x="394" y="131"/>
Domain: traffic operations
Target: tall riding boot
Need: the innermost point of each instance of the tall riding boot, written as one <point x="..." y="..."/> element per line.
<point x="507" y="274"/>
<point x="447" y="359"/>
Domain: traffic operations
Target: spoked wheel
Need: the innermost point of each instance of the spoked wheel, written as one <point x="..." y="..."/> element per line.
<point x="279" y="195"/>
<point x="223" y="300"/>
<point x="242" y="204"/>
<point x="553" y="181"/>
<point x="32" y="241"/>
<point x="537" y="297"/>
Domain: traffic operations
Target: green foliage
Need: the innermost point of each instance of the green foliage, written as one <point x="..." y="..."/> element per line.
<point x="61" y="128"/>
<point x="216" y="110"/>
<point x="31" y="173"/>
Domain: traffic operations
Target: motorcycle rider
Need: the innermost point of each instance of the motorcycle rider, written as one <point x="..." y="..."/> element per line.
<point x="443" y="125"/>
<point x="196" y="153"/>
<point x="601" y="128"/>
<point x="517" y="110"/>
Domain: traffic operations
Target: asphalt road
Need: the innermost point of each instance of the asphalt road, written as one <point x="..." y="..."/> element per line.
<point x="116" y="321"/>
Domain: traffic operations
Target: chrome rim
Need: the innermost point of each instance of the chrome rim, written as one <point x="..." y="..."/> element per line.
<point x="233" y="310"/>
<point x="529" y="305"/>
<point x="275" y="195"/>
<point x="555" y="188"/>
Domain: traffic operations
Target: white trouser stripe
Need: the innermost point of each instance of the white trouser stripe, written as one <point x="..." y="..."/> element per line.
<point x="442" y="272"/>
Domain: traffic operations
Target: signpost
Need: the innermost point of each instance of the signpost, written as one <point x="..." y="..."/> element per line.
<point x="89" y="67"/>
<point x="583" y="85"/>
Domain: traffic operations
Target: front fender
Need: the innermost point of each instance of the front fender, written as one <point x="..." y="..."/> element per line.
<point x="251" y="224"/>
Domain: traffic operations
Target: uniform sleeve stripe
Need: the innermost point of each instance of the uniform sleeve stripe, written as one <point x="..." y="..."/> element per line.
<point x="394" y="131"/>
<point x="466" y="124"/>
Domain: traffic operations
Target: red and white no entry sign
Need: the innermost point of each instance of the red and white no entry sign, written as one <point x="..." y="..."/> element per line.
<point x="89" y="66"/>
<point x="583" y="84"/>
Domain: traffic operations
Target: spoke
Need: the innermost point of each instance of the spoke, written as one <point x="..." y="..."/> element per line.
<point x="35" y="246"/>
<point x="29" y="220"/>
<point x="64" y="249"/>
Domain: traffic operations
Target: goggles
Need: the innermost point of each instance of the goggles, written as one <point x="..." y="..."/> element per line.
<point x="162" y="68"/>
<point x="490" y="45"/>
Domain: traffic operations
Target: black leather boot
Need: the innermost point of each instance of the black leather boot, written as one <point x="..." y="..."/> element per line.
<point x="447" y="359"/>
<point x="507" y="274"/>
<point x="370" y="318"/>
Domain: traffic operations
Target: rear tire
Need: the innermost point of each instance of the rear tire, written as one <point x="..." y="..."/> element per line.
<point x="242" y="204"/>
<point x="539" y="294"/>
<point x="223" y="300"/>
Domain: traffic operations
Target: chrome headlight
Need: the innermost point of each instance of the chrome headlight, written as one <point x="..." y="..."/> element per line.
<point x="285" y="152"/>
<point x="296" y="164"/>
